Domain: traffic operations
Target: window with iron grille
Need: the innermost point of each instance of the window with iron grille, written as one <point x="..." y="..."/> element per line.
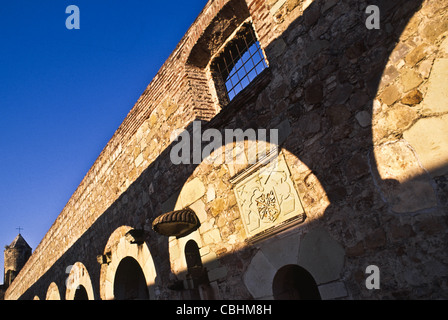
<point x="240" y="62"/>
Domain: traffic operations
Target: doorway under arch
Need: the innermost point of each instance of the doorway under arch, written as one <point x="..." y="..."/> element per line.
<point x="292" y="282"/>
<point x="81" y="293"/>
<point x="130" y="282"/>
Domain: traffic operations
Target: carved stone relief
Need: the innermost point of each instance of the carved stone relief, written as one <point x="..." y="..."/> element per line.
<point x="267" y="198"/>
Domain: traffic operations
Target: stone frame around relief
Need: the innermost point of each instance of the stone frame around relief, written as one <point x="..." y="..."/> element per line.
<point x="267" y="198"/>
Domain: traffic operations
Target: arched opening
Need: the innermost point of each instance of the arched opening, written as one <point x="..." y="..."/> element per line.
<point x="197" y="275"/>
<point x="78" y="283"/>
<point x="129" y="282"/>
<point x="292" y="282"/>
<point x="120" y="248"/>
<point x="81" y="293"/>
<point x="192" y="256"/>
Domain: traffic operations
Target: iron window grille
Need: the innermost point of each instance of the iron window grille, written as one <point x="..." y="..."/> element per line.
<point x="241" y="61"/>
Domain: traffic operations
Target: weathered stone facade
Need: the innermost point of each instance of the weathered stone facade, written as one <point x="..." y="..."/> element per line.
<point x="362" y="118"/>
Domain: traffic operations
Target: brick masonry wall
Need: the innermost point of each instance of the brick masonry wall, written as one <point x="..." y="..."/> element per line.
<point x="362" y="118"/>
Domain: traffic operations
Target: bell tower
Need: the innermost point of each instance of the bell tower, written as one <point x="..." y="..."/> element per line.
<point x="16" y="255"/>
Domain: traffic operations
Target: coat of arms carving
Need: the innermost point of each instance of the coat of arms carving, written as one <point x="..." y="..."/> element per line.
<point x="267" y="207"/>
<point x="267" y="198"/>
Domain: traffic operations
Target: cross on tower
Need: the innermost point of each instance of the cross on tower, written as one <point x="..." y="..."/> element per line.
<point x="19" y="228"/>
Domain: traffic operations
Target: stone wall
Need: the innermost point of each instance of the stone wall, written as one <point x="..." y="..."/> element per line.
<point x="361" y="117"/>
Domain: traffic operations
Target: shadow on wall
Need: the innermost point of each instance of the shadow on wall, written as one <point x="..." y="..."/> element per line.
<point x="330" y="71"/>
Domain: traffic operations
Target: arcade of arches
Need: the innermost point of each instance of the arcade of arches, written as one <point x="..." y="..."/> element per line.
<point x="127" y="275"/>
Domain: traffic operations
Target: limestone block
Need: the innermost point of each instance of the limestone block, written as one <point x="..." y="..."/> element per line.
<point x="204" y="251"/>
<point x="283" y="251"/>
<point x="425" y="68"/>
<point x="390" y="95"/>
<point x="389" y="75"/>
<point x="199" y="208"/>
<point x="218" y="206"/>
<point x="259" y="276"/>
<point x="399" y="52"/>
<point x="212" y="237"/>
<point x="413" y="97"/>
<point x="436" y="99"/>
<point x="403" y="182"/>
<point x="400" y="117"/>
<point x="210" y="260"/>
<point x="416" y="55"/>
<point x="332" y="290"/>
<point x="206" y="225"/>
<point x="211" y="194"/>
<point x="191" y="191"/>
<point x="410" y="79"/>
<point x="174" y="248"/>
<point x="429" y="138"/>
<point x="139" y="160"/>
<point x="153" y="119"/>
<point x="321" y="256"/>
<point x="217" y="273"/>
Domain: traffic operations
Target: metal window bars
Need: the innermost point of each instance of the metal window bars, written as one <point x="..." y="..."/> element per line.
<point x="241" y="62"/>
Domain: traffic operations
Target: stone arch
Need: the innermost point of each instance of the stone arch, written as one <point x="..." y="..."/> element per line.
<point x="292" y="282"/>
<point x="79" y="284"/>
<point x="53" y="292"/>
<point x="226" y="14"/>
<point x="211" y="204"/>
<point x="119" y="247"/>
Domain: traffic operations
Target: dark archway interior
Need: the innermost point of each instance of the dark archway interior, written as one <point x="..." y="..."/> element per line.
<point x="192" y="255"/>
<point x="292" y="282"/>
<point x="130" y="283"/>
<point x="81" y="293"/>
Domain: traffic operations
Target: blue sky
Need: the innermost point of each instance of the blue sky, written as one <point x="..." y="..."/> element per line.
<point x="63" y="93"/>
